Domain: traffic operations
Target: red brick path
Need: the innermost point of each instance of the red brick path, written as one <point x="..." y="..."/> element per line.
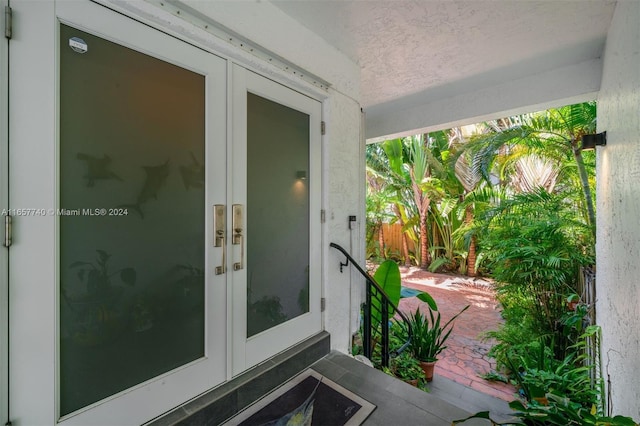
<point x="466" y="355"/>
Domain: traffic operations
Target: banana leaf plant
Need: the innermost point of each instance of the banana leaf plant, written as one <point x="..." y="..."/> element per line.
<point x="388" y="278"/>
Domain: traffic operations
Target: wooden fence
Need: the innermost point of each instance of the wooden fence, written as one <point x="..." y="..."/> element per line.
<point x="393" y="238"/>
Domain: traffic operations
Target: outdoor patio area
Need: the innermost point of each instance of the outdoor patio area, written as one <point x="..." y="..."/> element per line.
<point x="466" y="358"/>
<point x="398" y="403"/>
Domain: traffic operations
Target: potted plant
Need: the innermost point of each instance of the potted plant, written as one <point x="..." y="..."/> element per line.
<point x="429" y="337"/>
<point x="572" y="302"/>
<point x="406" y="368"/>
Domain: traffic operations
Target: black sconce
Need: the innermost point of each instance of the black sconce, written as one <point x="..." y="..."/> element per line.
<point x="590" y="141"/>
<point x="301" y="174"/>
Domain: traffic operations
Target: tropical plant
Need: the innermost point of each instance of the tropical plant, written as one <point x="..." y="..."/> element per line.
<point x="429" y="335"/>
<point x="550" y="137"/>
<point x="379" y="197"/>
<point x="559" y="411"/>
<point x="536" y="247"/>
<point x="406" y="367"/>
<point x="538" y="374"/>
<point x="388" y="278"/>
<point x="562" y="393"/>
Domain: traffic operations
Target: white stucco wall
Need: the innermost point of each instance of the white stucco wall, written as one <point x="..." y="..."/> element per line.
<point x="618" y="210"/>
<point x="267" y="27"/>
<point x="344" y="156"/>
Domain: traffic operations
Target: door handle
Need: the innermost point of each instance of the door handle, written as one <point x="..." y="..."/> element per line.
<point x="218" y="235"/>
<point x="238" y="238"/>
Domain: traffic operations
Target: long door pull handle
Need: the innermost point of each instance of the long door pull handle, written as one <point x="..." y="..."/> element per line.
<point x="238" y="238"/>
<point x="219" y="231"/>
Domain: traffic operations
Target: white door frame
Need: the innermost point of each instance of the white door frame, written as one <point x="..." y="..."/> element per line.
<point x="34" y="268"/>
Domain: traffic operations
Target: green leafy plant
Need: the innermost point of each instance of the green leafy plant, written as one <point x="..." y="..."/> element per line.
<point x="562" y="411"/>
<point x="559" y="411"/>
<point x="494" y="376"/>
<point x="536" y="248"/>
<point x="388" y="278"/>
<point x="406" y="367"/>
<point x="429" y="335"/>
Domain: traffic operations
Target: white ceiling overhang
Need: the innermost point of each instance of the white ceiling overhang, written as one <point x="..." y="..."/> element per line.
<point x="427" y="64"/>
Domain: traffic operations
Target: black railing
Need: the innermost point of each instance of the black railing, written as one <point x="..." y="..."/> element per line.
<point x="377" y="311"/>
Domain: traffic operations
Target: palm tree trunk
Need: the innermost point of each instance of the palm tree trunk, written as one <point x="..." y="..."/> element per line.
<point x="381" y="242"/>
<point x="405" y="244"/>
<point x="586" y="189"/>
<point x="405" y="250"/>
<point x="424" y="243"/>
<point x="471" y="256"/>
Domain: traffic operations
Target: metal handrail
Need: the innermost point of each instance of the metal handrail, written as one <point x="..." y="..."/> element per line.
<point x="387" y="310"/>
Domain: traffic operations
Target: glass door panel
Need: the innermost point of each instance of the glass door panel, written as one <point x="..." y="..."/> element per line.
<point x="141" y="163"/>
<point x="277" y="214"/>
<point x="276" y="176"/>
<point x="132" y="132"/>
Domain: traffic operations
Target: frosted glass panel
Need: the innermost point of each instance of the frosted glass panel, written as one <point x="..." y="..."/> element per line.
<point x="277" y="214"/>
<point x="132" y="131"/>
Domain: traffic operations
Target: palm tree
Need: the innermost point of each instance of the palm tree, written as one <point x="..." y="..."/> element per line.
<point x="553" y="134"/>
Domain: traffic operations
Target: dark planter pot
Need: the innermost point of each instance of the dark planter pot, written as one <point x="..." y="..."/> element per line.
<point x="427" y="367"/>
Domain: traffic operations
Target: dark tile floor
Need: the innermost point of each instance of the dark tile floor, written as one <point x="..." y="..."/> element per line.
<point x="403" y="405"/>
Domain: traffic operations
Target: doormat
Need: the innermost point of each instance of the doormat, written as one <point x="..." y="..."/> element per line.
<point x="307" y="399"/>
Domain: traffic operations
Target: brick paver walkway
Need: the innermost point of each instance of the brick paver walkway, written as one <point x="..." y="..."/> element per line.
<point x="465" y="358"/>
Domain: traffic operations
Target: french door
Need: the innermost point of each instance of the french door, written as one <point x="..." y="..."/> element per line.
<point x="276" y="163"/>
<point x="118" y="155"/>
<point x="166" y="218"/>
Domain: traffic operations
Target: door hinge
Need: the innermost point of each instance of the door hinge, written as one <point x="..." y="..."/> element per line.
<point x="8" y="22"/>
<point x="323" y="216"/>
<point x="8" y="229"/>
<point x="323" y="304"/>
<point x="323" y="128"/>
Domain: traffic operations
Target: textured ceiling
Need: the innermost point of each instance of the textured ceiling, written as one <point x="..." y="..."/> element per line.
<point x="412" y="51"/>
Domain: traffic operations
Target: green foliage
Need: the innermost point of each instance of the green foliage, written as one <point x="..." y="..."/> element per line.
<point x="495" y="377"/>
<point x="425" y="191"/>
<point x="539" y="373"/>
<point x="535" y="249"/>
<point x="388" y="277"/>
<point x="406" y="367"/>
<point x="560" y="393"/>
<point x="429" y="335"/>
<point x="559" y="411"/>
